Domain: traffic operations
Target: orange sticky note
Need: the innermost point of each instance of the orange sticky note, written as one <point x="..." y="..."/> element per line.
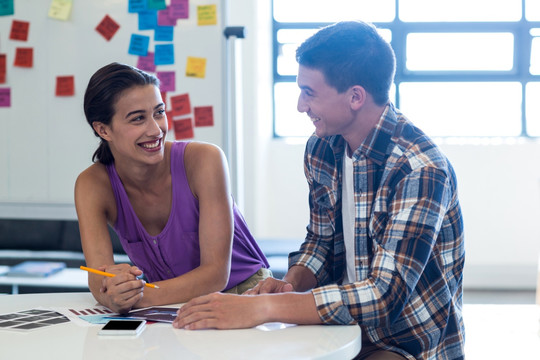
<point x="180" y="105"/>
<point x="3" y="62"/>
<point x="24" y="57"/>
<point x="107" y="27"/>
<point x="65" y="85"/>
<point x="19" y="30"/>
<point x="183" y="129"/>
<point x="204" y="116"/>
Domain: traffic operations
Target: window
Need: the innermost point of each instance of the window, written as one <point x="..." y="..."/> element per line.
<point x="478" y="60"/>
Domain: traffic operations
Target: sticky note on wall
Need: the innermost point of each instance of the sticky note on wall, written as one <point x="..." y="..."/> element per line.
<point x="19" y="30"/>
<point x="196" y="67"/>
<point x="206" y="15"/>
<point x="5" y="97"/>
<point x="180" y="105"/>
<point x="60" y="9"/>
<point x="204" y="115"/>
<point x="139" y="45"/>
<point x="167" y="80"/>
<point x="24" y="57"/>
<point x="183" y="129"/>
<point x="6" y="7"/>
<point x="164" y="54"/>
<point x="107" y="27"/>
<point x="3" y="67"/>
<point x="65" y="85"/>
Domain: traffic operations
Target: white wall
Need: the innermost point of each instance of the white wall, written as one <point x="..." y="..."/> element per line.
<point x="499" y="182"/>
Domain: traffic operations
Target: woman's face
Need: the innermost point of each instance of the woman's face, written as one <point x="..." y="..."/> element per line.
<point x="139" y="125"/>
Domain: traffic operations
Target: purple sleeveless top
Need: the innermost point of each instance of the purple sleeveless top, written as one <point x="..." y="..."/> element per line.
<point x="175" y="251"/>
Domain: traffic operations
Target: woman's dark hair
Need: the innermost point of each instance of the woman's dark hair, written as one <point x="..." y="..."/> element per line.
<point x="102" y="93"/>
<point x="351" y="53"/>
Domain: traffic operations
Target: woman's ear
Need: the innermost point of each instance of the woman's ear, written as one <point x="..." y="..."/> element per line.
<point x="358" y="97"/>
<point x="102" y="130"/>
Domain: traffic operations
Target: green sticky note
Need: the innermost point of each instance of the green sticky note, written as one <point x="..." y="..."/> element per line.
<point x="6" y="7"/>
<point x="156" y="4"/>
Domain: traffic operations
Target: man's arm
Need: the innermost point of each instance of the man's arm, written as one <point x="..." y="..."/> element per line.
<point x="227" y="311"/>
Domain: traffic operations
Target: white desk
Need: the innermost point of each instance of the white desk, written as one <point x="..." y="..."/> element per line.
<point x="67" y="278"/>
<point x="161" y="341"/>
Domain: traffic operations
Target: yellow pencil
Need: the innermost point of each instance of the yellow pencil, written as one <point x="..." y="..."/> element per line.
<point x="111" y="275"/>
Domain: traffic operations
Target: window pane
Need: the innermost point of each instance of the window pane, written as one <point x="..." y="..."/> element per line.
<point x="288" y="121"/>
<point x="535" y="56"/>
<point x="460" y="51"/>
<point x="459" y="10"/>
<point x="332" y="11"/>
<point x="533" y="108"/>
<point x="532" y="10"/>
<point x="463" y="108"/>
<point x="289" y="40"/>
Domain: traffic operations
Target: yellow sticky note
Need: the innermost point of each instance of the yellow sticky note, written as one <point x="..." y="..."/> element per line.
<point x="196" y="67"/>
<point x="60" y="9"/>
<point x="206" y="15"/>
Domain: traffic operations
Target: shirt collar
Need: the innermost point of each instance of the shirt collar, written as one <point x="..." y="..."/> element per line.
<point x="376" y="144"/>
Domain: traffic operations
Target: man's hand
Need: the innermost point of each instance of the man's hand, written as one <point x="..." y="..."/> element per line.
<point x="269" y="286"/>
<point x="220" y="311"/>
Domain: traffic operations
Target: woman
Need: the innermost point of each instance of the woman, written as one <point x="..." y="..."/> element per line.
<point x="169" y="203"/>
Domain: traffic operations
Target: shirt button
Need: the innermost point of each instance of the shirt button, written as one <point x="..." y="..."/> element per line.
<point x="155" y="242"/>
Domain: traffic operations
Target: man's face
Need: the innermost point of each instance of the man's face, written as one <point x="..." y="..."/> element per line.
<point x="329" y="110"/>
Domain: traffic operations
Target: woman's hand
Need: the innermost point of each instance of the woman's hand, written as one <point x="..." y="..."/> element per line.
<point x="123" y="290"/>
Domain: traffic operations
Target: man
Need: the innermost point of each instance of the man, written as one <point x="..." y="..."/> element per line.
<point x="384" y="247"/>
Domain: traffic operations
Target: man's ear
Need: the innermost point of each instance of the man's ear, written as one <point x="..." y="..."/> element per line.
<point x="358" y="97"/>
<point x="102" y="130"/>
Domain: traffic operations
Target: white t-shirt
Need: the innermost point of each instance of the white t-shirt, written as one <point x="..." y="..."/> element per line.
<point x="348" y="214"/>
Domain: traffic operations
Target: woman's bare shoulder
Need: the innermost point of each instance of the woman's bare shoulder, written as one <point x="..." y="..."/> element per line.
<point x="200" y="151"/>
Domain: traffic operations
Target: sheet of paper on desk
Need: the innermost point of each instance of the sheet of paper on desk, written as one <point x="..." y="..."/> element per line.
<point x="31" y="319"/>
<point x="155" y="313"/>
<point x="88" y="316"/>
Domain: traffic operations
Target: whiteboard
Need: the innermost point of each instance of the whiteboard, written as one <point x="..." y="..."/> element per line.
<point x="45" y="141"/>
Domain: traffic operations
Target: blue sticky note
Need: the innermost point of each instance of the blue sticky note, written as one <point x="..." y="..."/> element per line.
<point x="157" y="4"/>
<point x="139" y="45"/>
<point x="6" y="7"/>
<point x="135" y="6"/>
<point x="163" y="33"/>
<point x="147" y="19"/>
<point x="164" y="54"/>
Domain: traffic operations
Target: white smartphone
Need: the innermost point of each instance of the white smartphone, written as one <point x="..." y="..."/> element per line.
<point x="123" y="327"/>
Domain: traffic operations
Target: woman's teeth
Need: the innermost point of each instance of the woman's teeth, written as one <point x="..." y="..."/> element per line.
<point x="151" y="145"/>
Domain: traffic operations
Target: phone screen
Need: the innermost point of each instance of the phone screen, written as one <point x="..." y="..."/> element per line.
<point x="123" y="327"/>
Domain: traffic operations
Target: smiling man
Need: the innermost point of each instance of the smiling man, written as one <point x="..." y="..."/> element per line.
<point x="384" y="247"/>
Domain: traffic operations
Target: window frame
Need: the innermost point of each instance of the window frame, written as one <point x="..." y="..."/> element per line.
<point x="520" y="72"/>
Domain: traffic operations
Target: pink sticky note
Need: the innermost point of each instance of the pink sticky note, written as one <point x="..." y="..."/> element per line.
<point x="146" y="63"/>
<point x="166" y="80"/>
<point x="179" y="9"/>
<point x="164" y="18"/>
<point x="5" y="97"/>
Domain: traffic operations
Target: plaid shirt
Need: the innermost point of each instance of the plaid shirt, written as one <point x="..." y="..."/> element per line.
<point x="408" y="240"/>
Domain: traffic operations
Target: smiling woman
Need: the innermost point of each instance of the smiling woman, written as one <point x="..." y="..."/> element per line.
<point x="169" y="203"/>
